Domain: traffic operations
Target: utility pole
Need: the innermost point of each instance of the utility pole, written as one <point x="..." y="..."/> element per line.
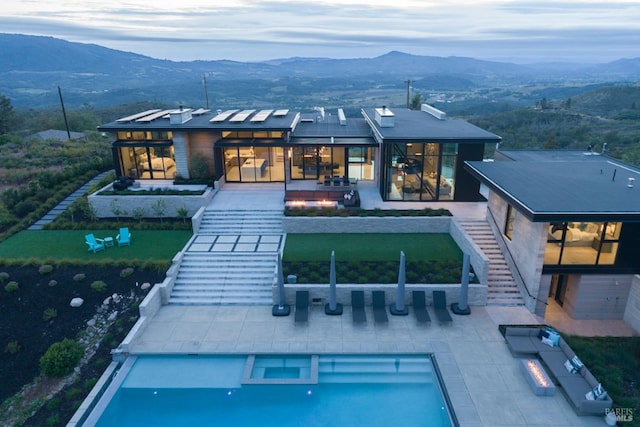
<point x="408" y="82"/>
<point x="206" y="93"/>
<point x="64" y="113"/>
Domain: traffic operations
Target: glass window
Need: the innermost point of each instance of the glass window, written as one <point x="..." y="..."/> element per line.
<point x="582" y="243"/>
<point x="447" y="172"/>
<point x="148" y="162"/>
<point x="508" y="227"/>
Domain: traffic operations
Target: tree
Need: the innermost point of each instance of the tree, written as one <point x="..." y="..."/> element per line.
<point x="7" y="115"/>
<point x="416" y="102"/>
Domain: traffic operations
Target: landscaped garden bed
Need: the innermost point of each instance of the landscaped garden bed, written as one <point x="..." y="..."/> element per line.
<point x="382" y="272"/>
<point x="372" y="258"/>
<point x="37" y="314"/>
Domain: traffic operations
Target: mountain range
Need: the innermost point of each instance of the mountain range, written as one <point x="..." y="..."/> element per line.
<point x="33" y="67"/>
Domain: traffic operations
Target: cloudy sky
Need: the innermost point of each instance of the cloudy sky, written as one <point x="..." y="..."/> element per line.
<point x="253" y="30"/>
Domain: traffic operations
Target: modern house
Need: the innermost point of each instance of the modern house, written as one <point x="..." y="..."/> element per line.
<point x="569" y="222"/>
<point x="411" y="155"/>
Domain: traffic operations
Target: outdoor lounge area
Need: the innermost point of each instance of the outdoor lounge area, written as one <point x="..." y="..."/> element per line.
<point x="560" y="362"/>
<point x="95" y="244"/>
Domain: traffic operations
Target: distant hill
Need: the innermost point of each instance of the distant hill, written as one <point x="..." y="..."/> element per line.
<point x="32" y="67"/>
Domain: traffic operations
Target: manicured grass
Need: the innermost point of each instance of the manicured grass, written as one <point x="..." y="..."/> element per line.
<point x="615" y="362"/>
<point x="370" y="247"/>
<point x="60" y="245"/>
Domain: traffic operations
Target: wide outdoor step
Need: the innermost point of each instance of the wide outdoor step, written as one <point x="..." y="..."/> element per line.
<point x="363" y="378"/>
<point x="229" y="278"/>
<point x="243" y="300"/>
<point x="370" y="371"/>
<point x="241" y="222"/>
<point x="376" y="365"/>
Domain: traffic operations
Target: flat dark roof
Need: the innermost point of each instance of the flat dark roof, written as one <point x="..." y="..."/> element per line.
<point x="569" y="185"/>
<point x="419" y="125"/>
<point x="312" y="126"/>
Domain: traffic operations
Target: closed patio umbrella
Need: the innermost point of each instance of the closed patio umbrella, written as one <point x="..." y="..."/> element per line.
<point x="281" y="309"/>
<point x="332" y="307"/>
<point x="399" y="309"/>
<point x="462" y="307"/>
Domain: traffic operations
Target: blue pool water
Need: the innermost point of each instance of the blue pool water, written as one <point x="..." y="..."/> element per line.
<point x="276" y="391"/>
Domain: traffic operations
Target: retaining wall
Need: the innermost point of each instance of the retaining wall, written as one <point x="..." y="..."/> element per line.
<point x="103" y="204"/>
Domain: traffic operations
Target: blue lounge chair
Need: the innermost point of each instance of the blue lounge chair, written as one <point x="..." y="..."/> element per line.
<point x="440" y="307"/>
<point x="420" y="307"/>
<point x="124" y="238"/>
<point x="379" y="307"/>
<point x="302" y="306"/>
<point x="94" y="243"/>
<point x="357" y="307"/>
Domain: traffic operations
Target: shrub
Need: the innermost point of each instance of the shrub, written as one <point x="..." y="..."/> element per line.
<point x="138" y="213"/>
<point x="49" y="313"/>
<point x="79" y="277"/>
<point x="73" y="393"/>
<point x="198" y="166"/>
<point x="54" y="404"/>
<point x="99" y="286"/>
<point x="24" y="208"/>
<point x="4" y="276"/>
<point x="12" y="286"/>
<point x="12" y="347"/>
<point x="61" y="358"/>
<point x="126" y="272"/>
<point x="45" y="269"/>
<point x="53" y="420"/>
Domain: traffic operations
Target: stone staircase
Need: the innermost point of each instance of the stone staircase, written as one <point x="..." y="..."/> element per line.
<point x="235" y="276"/>
<point x="241" y="222"/>
<point x="502" y="288"/>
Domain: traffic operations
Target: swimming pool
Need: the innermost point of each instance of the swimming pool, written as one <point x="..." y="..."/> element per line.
<point x="275" y="390"/>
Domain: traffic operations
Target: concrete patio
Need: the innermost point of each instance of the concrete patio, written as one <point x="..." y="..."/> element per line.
<point x="483" y="380"/>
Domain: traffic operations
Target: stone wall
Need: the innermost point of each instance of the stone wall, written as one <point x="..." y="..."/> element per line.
<point x="103" y="204"/>
<point x="321" y="224"/>
<point x="597" y="296"/>
<point x="477" y="258"/>
<point x="524" y="252"/>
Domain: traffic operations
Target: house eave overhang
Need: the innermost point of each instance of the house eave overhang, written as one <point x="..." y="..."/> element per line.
<point x="551" y="215"/>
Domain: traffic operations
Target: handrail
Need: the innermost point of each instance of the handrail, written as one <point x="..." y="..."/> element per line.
<point x="515" y="265"/>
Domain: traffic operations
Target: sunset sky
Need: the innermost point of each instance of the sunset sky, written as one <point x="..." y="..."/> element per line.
<point x="518" y="31"/>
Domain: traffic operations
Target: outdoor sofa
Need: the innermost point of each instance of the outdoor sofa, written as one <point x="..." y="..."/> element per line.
<point x="528" y="343"/>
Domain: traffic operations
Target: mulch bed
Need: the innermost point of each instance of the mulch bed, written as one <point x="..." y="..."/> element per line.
<point x="21" y="319"/>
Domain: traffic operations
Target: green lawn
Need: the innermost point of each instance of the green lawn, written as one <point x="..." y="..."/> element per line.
<point x="370" y="247"/>
<point x="60" y="245"/>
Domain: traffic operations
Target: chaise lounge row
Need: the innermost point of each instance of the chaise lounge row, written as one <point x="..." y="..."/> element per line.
<point x="562" y="365"/>
<point x="380" y="307"/>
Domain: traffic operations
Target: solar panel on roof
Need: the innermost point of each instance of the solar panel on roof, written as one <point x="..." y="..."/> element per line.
<point x="261" y="116"/>
<point x="137" y="115"/>
<point x="280" y="113"/>
<point x="223" y="116"/>
<point x="241" y="116"/>
<point x="200" y="111"/>
<point x="153" y="116"/>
